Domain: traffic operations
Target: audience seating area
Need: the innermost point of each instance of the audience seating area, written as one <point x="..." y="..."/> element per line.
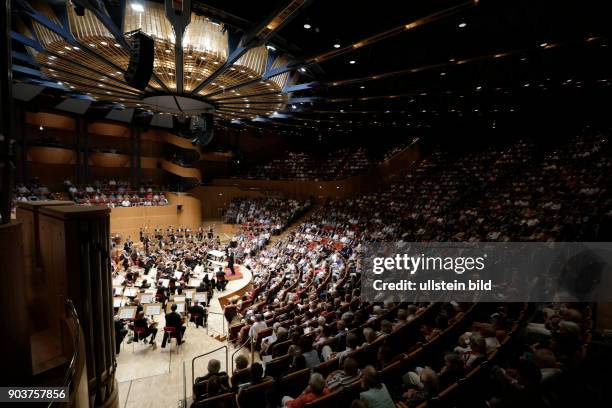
<point x="116" y="193"/>
<point x="304" y="314"/>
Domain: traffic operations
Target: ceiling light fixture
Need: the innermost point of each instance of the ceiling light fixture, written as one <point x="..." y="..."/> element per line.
<point x="307" y="26"/>
<point x="352" y="62"/>
<point x="462" y="24"/>
<point x="137" y="7"/>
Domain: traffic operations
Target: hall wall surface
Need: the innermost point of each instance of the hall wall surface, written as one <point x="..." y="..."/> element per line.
<point x="127" y="221"/>
<point x="370" y="180"/>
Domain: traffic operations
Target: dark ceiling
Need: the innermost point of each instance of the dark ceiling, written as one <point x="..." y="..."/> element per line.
<point x="498" y="57"/>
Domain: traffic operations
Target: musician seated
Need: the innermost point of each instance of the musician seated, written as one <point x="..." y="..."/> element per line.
<point x="149" y="326"/>
<point x="120" y="333"/>
<point x="175" y="320"/>
<point x="201" y="315"/>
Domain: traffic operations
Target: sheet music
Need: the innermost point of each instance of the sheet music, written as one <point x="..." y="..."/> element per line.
<point x="146" y="298"/>
<point x="200" y="297"/>
<point x="189" y="294"/>
<point x="178" y="299"/>
<point x="165" y="282"/>
<point x="153" y="309"/>
<point x="180" y="307"/>
<point x="178" y="275"/>
<point x="118" y="280"/>
<point x="130" y="292"/>
<point x="118" y="301"/>
<point x="194" y="283"/>
<point x="128" y="312"/>
<point x="118" y="290"/>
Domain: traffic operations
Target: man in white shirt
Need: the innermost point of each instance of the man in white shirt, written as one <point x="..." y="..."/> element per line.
<point x="257" y="326"/>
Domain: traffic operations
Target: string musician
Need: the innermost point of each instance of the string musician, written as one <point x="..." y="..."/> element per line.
<point x="176" y="321"/>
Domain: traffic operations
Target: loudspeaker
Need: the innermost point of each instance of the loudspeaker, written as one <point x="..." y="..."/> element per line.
<point x="140" y="67"/>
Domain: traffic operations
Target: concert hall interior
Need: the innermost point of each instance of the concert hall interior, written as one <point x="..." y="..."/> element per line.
<point x="191" y="192"/>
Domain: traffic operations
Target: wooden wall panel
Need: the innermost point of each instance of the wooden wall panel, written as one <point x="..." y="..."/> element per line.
<point x="128" y="221"/>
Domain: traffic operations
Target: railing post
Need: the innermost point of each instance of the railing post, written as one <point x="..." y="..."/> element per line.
<point x="252" y="349"/>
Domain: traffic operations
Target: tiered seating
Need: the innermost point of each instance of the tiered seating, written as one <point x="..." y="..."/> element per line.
<point x="313" y="272"/>
<point x="117" y="194"/>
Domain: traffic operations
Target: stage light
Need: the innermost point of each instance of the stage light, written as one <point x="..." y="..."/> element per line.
<point x="137" y="7"/>
<point x="462" y="25"/>
<point x="307" y="26"/>
<point x="336" y="45"/>
<point x="352" y="62"/>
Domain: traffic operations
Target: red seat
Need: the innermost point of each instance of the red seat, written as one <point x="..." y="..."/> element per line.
<point x="171" y="334"/>
<point x="139" y="333"/>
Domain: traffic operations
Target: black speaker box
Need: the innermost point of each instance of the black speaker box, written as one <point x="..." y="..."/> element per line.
<point x="140" y="67"/>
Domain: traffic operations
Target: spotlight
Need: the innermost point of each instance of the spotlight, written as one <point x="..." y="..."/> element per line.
<point x="352" y="62"/>
<point x="137" y="7"/>
<point x="336" y="45"/>
<point x="307" y="26"/>
<point x="462" y="25"/>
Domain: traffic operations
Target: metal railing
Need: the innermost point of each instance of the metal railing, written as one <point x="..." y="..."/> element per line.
<point x="249" y="340"/>
<point x="68" y="380"/>
<point x="204" y="355"/>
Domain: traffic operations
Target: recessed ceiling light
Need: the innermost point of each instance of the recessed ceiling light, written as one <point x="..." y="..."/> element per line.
<point x="336" y="45"/>
<point x="103" y="43"/>
<point x="307" y="26"/>
<point x="168" y="51"/>
<point x="137" y="7"/>
<point x="352" y="61"/>
<point x="544" y="44"/>
<point x="92" y="45"/>
<point x="216" y="62"/>
<point x="117" y="45"/>
<point x="76" y="48"/>
<point x="302" y="69"/>
<point x="442" y="73"/>
<point x="462" y="24"/>
<point x="362" y="87"/>
<point x="478" y="88"/>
